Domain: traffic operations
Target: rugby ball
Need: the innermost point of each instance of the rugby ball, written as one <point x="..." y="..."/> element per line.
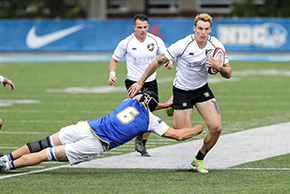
<point x="215" y="54"/>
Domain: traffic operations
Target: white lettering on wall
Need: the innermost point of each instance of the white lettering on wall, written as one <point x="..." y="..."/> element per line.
<point x="263" y="35"/>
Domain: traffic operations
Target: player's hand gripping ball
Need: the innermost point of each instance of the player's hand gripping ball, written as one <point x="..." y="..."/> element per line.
<point x="215" y="54"/>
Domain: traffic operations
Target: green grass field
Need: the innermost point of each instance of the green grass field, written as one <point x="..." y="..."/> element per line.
<point x="257" y="95"/>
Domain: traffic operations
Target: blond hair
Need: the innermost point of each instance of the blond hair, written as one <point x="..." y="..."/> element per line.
<point x="203" y="17"/>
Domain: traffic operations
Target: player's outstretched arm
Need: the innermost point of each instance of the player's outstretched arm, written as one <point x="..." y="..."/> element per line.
<point x="184" y="133"/>
<point x="166" y="104"/>
<point x="5" y="81"/>
<point x="136" y="87"/>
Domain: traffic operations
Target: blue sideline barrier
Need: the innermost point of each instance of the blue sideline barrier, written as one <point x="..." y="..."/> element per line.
<point x="106" y="58"/>
<point x="238" y="35"/>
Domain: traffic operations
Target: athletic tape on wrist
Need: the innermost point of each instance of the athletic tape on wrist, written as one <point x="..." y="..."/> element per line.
<point x="112" y="73"/>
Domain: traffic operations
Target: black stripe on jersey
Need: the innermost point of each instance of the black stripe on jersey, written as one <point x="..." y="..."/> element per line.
<point x="170" y="54"/>
<point x="132" y="36"/>
<point x="209" y="40"/>
<point x="192" y="39"/>
<point x="119" y="58"/>
<point x="149" y="35"/>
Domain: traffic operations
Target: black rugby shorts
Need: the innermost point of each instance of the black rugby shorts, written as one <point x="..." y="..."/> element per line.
<point x="187" y="99"/>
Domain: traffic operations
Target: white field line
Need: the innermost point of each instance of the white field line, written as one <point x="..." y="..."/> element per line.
<point x="212" y="79"/>
<point x="113" y="152"/>
<point x="38" y="121"/>
<point x="258" y="169"/>
<point x="8" y="148"/>
<point x="11" y="102"/>
<point x="32" y="172"/>
<point x="66" y="166"/>
<point x="22" y="132"/>
<point x="122" y="149"/>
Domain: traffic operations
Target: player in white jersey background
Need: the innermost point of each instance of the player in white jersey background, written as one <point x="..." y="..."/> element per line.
<point x="190" y="87"/>
<point x="139" y="50"/>
<point x="86" y="140"/>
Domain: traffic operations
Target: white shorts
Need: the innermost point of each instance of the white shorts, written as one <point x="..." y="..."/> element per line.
<point x="80" y="143"/>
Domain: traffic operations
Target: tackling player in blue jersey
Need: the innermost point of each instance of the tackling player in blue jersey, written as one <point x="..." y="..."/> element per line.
<point x="86" y="140"/>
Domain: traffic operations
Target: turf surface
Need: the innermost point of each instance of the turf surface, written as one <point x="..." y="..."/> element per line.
<point x="257" y="95"/>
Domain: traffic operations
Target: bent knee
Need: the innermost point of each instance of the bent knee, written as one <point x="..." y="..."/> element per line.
<point x="216" y="129"/>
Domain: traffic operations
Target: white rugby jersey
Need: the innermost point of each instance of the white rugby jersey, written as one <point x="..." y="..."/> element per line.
<point x="191" y="72"/>
<point x="139" y="55"/>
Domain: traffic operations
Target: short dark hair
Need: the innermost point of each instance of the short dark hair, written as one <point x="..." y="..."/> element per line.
<point x="140" y="17"/>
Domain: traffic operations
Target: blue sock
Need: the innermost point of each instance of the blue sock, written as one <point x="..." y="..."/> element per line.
<point x="10" y="156"/>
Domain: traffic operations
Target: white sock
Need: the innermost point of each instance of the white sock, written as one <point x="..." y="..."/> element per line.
<point x="9" y="165"/>
<point x="5" y="158"/>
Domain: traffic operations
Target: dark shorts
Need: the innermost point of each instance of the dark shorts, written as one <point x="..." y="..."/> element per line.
<point x="187" y="99"/>
<point x="150" y="86"/>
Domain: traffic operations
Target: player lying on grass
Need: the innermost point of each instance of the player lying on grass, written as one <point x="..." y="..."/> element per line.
<point x="86" y="140"/>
